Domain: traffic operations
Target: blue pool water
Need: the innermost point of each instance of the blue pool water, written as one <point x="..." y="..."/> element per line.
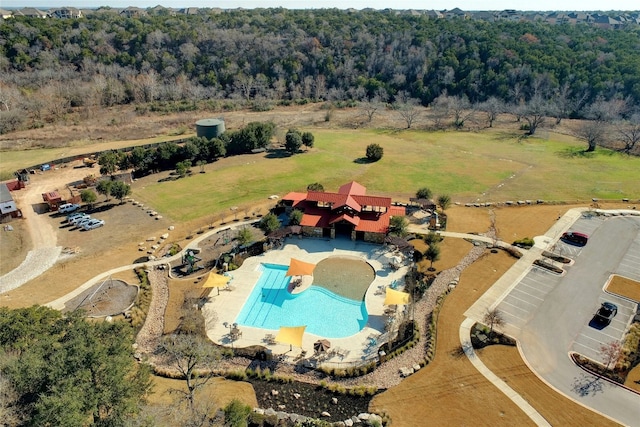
<point x="270" y="305"/>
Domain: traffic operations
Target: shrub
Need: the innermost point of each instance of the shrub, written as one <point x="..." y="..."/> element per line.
<point x="526" y="242"/>
<point x="374" y="152"/>
<point x="236" y="414"/>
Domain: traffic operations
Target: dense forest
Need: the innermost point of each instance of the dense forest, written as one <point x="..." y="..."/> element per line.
<point x="265" y="56"/>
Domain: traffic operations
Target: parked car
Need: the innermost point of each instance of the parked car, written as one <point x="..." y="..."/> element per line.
<point x="576" y="238"/>
<point x="82" y="221"/>
<point x="75" y="215"/>
<point x="94" y="223"/>
<point x="606" y="313"/>
<point x="79" y="218"/>
<point x="68" y="207"/>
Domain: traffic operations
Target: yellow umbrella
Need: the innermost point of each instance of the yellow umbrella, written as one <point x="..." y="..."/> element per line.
<point x="394" y="297"/>
<point x="216" y="281"/>
<point x="291" y="335"/>
<point x="300" y="268"/>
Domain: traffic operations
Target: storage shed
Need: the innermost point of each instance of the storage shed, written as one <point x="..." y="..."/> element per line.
<point x="209" y="128"/>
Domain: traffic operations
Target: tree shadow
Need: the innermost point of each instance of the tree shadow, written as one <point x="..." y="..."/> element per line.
<point x="587" y="385"/>
<point x="363" y="161"/>
<point x="575" y="152"/>
<point x="509" y="136"/>
<point x="277" y="153"/>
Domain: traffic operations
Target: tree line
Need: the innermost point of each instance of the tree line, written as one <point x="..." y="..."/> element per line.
<point x="261" y="57"/>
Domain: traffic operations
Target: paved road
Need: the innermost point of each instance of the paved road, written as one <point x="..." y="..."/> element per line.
<point x="550" y="315"/>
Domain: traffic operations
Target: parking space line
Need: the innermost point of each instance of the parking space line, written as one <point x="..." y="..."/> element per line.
<point x="517" y="289"/>
<point x="544" y="292"/>
<point x="514" y="306"/>
<point x="520" y="299"/>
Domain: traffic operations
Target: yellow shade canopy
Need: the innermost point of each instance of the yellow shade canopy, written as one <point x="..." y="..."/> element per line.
<point x="216" y="281"/>
<point x="394" y="297"/>
<point x="291" y="335"/>
<point x="300" y="268"/>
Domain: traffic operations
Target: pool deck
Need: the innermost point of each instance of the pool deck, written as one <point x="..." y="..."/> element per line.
<point x="225" y="306"/>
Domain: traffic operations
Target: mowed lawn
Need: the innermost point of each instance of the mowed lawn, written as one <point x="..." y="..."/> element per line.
<point x="487" y="166"/>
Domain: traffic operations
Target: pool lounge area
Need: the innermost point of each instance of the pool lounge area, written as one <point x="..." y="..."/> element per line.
<point x="247" y="314"/>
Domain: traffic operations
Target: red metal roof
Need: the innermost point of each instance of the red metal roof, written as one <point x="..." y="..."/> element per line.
<point x="397" y="211"/>
<point x="352" y="196"/>
<point x="353" y="188"/>
<point x="373" y="201"/>
<point x="344" y="217"/>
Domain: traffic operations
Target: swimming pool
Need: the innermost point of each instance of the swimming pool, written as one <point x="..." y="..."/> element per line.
<point x="270" y="305"/>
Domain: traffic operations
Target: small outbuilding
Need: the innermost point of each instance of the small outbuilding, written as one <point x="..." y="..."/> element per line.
<point x="210" y="128"/>
<point x="8" y="208"/>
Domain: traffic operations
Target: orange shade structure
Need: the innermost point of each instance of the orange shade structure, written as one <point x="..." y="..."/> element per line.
<point x="300" y="268"/>
<point x="291" y="335"/>
<point x="394" y="297"/>
<point x="216" y="281"/>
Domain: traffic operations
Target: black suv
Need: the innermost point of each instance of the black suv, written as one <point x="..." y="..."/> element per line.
<point x="606" y="313"/>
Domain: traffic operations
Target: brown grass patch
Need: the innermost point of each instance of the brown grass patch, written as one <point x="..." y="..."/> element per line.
<point x="218" y="392"/>
<point x="450" y="388"/>
<point x="624" y="287"/>
<point x="633" y="379"/>
<point x="14" y="246"/>
<point x="179" y="292"/>
<point x="558" y="410"/>
<point x="451" y="252"/>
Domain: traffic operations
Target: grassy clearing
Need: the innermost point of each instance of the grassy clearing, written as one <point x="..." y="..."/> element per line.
<point x="490" y="166"/>
<point x="13" y="160"/>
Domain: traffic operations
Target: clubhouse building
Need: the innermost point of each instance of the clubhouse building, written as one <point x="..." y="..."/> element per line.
<point x="350" y="212"/>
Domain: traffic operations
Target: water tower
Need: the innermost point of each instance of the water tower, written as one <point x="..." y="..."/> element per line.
<point x="209" y="128"/>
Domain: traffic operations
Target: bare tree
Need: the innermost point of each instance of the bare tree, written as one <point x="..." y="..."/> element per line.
<point x="461" y="109"/>
<point x="629" y="133"/>
<point x="534" y="112"/>
<point x="193" y="357"/>
<point x="370" y="108"/>
<point x="610" y="353"/>
<point x="493" y="318"/>
<point x="492" y="107"/>
<point x="593" y="133"/>
<point x="408" y="111"/>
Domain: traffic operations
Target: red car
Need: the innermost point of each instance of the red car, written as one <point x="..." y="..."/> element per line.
<point x="576" y="238"/>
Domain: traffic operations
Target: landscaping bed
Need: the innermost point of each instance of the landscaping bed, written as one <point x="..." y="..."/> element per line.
<point x="312" y="400"/>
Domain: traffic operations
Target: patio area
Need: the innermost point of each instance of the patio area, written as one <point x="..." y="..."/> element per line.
<point x="222" y="309"/>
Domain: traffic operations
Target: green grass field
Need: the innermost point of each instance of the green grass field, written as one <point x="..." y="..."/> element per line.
<point x="13" y="160"/>
<point x="487" y="166"/>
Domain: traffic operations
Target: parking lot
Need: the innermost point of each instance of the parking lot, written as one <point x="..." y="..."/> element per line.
<point x="574" y="297"/>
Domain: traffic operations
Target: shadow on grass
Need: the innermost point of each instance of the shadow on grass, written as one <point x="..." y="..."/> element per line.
<point x="575" y="152"/>
<point x="277" y="153"/>
<point x="363" y="161"/>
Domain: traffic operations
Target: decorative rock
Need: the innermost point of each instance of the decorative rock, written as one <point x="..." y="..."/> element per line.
<point x="171" y="228"/>
<point x="149" y="251"/>
<point x="165" y="236"/>
<point x="282" y="415"/>
<point x="364" y="416"/>
<point x="521" y="202"/>
<point x="140" y="243"/>
<point x="325" y="414"/>
<point x="296" y="395"/>
<point x="159" y="217"/>
<point x="334" y="400"/>
<point x="509" y="202"/>
<point x="142" y="248"/>
<point x="539" y="201"/>
<point x="375" y="419"/>
<point x="356" y="420"/>
<point x="154" y="247"/>
<point x="259" y="411"/>
<point x="108" y="319"/>
<point x="416" y="367"/>
<point x="270" y="412"/>
<point x="348" y="422"/>
<point x="154" y="213"/>
<point x="405" y="372"/>
<point x="528" y="202"/>
<point x="468" y="205"/>
<point x="274" y="392"/>
<point x="152" y="257"/>
<point x="150" y="239"/>
<point x="281" y="407"/>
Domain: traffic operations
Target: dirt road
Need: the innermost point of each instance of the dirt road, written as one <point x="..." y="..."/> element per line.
<point x="44" y="249"/>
